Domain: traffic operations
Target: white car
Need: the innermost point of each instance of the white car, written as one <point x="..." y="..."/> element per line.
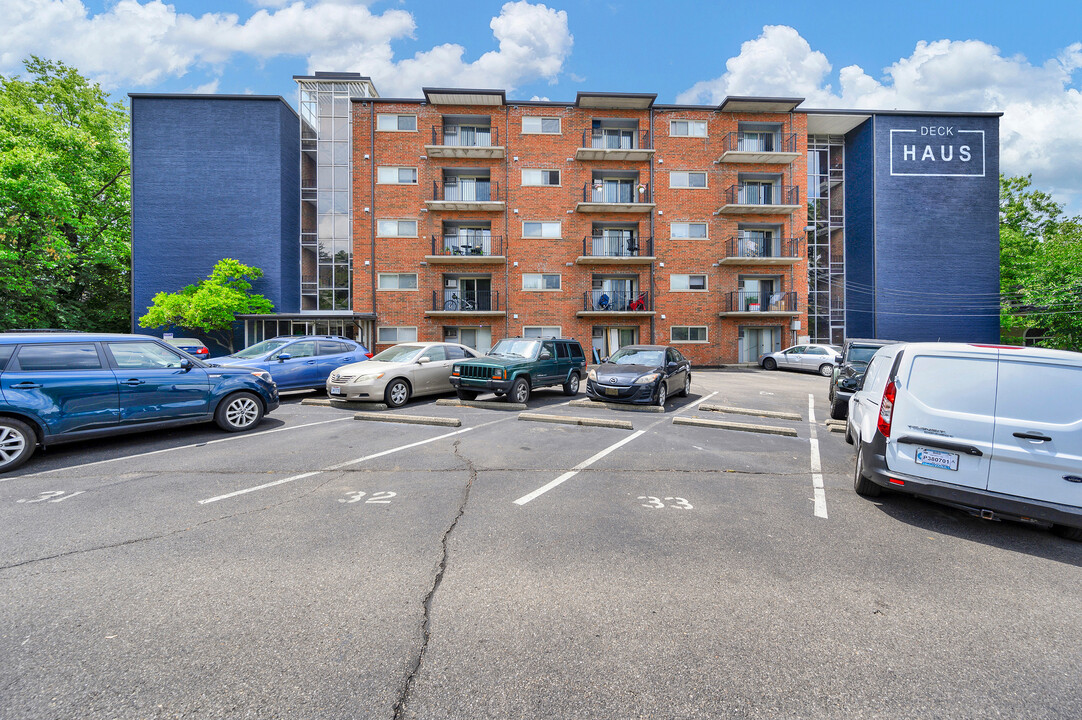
<point x="399" y="373"/>
<point x="995" y="430"/>
<point x="809" y="358"/>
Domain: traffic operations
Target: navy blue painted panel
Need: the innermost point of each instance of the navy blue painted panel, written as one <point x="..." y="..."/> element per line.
<point x="860" y="231"/>
<point x="937" y="228"/>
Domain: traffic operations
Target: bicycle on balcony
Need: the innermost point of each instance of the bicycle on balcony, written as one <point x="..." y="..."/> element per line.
<point x="456" y="303"/>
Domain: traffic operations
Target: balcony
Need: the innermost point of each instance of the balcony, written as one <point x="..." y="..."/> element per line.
<point x="760" y="199"/>
<point x="466" y="194"/>
<point x="630" y="146"/>
<point x="762" y="148"/>
<point x="455" y="303"/>
<point x="596" y="303"/>
<point x="749" y="303"/>
<point x="604" y="250"/>
<point x="761" y="251"/>
<point x="465" y="142"/>
<point x="616" y="198"/>
<point x="466" y="250"/>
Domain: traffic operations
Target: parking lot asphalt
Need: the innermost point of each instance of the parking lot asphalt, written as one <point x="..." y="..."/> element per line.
<point x="321" y="567"/>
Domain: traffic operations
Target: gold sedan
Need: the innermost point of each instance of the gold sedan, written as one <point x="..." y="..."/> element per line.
<point x="399" y="373"/>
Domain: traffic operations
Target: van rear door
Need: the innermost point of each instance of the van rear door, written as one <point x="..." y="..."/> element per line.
<point x="1038" y="436"/>
<point x="944" y="415"/>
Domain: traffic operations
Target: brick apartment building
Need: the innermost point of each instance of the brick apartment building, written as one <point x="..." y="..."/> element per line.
<point x="726" y="230"/>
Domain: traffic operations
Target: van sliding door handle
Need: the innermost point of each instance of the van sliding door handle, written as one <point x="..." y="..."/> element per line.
<point x="1033" y="436"/>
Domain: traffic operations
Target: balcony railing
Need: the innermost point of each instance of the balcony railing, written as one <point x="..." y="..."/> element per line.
<point x="467" y="245"/>
<point x="465" y="301"/>
<point x="760" y="142"/>
<point x="762" y="195"/>
<point x="455" y="136"/>
<point x="608" y="140"/>
<point x="617" y="193"/>
<point x="606" y="246"/>
<point x="471" y="191"/>
<point x="754" y="301"/>
<point x="751" y="247"/>
<point x="617" y="301"/>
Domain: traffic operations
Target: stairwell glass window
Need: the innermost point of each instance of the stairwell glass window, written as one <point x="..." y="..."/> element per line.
<point x="687" y="283"/>
<point x="540" y="281"/>
<point x="386" y="122"/>
<point x="396" y="228"/>
<point x="542" y="178"/>
<point x="396" y="334"/>
<point x="687" y="230"/>
<point x="540" y="126"/>
<point x="396" y="176"/>
<point x="688" y="334"/>
<point x="398" y="281"/>
<point x="687" y="128"/>
<point x="541" y="229"/>
<point x="687" y="179"/>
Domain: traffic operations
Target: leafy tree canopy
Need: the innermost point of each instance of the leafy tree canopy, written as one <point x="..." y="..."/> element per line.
<point x="211" y="305"/>
<point x="65" y="194"/>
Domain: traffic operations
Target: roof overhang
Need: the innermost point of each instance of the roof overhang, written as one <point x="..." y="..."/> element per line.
<point x="834" y="123"/>
<point x="759" y="104"/>
<point x="616" y="101"/>
<point x="462" y="96"/>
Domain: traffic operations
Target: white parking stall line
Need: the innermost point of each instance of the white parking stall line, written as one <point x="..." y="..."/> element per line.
<point x="576" y="470"/>
<point x="816" y="463"/>
<point x="264" y="486"/>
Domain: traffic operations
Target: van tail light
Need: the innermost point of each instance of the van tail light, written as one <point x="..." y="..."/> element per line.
<point x="886" y="408"/>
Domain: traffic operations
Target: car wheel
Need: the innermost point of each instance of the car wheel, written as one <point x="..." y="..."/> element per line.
<point x="662" y="394"/>
<point x="17" y="443"/>
<point x="397" y="393"/>
<point x="770" y="364"/>
<point x="848" y="434"/>
<point x="861" y="484"/>
<point x="467" y="394"/>
<point x="687" y="385"/>
<point x="839" y="410"/>
<point x="826" y="369"/>
<point x="520" y="391"/>
<point x="1068" y="532"/>
<point x="571" y="387"/>
<point x="239" y="411"/>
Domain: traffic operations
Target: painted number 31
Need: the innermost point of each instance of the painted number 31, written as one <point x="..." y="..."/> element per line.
<point x="678" y="503"/>
<point x="380" y="498"/>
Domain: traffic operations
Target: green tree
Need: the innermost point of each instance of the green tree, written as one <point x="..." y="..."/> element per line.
<point x="1040" y="264"/>
<point x="211" y="305"/>
<point x="65" y="196"/>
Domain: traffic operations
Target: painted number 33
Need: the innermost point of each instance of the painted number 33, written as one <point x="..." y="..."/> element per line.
<point x="674" y="502"/>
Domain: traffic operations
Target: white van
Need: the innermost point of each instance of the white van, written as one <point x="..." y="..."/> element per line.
<point x="995" y="430"/>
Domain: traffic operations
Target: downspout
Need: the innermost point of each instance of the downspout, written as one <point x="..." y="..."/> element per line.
<point x="506" y="221"/>
<point x="653" y="191"/>
<point x="372" y="208"/>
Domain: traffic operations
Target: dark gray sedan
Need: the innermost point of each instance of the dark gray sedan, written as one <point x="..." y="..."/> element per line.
<point x="643" y="374"/>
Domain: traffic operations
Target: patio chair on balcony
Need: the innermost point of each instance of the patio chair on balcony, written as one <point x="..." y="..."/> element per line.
<point x="632" y="246"/>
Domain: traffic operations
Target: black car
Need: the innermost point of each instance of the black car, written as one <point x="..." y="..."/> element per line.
<point x="644" y="374"/>
<point x="847" y="373"/>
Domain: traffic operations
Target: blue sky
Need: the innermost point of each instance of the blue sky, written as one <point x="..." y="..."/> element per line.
<point x="1022" y="59"/>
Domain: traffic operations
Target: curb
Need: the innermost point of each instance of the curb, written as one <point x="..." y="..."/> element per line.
<point x="409" y="419"/>
<point x="837" y="428"/>
<point x="743" y="427"/>
<point x="616" y="406"/>
<point x="568" y="420"/>
<point x="487" y="404"/>
<point x="326" y="402"/>
<point x="750" y="411"/>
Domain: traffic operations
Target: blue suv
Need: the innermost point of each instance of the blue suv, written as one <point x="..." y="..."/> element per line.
<point x="298" y="362"/>
<point x="58" y="387"/>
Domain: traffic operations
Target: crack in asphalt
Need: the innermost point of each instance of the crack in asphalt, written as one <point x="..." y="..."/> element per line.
<point x="407" y="686"/>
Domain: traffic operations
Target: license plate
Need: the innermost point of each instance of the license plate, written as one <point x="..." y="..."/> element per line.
<point x="612" y="391"/>
<point x="937" y="459"/>
<point x="336" y="391"/>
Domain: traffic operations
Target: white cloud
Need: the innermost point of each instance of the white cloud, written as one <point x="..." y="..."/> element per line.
<point x="1040" y="132"/>
<point x="135" y="43"/>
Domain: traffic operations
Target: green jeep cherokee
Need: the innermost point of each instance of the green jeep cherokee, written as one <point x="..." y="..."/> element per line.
<point x="515" y="366"/>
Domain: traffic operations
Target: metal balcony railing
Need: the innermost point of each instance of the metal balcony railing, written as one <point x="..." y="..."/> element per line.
<point x="752" y="247"/>
<point x="469" y="244"/>
<point x="606" y="246"/>
<point x="608" y="139"/>
<point x="459" y="136"/>
<point x="470" y="191"/>
<point x="617" y="300"/>
<point x="753" y="194"/>
<point x="760" y="142"/>
<point x="465" y="301"/>
<point x="754" y="301"/>
<point x="614" y="193"/>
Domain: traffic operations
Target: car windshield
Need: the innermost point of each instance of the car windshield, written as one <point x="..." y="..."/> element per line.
<point x="625" y="356"/>
<point x="861" y="354"/>
<point x="259" y="349"/>
<point x="399" y="354"/>
<point x="515" y="348"/>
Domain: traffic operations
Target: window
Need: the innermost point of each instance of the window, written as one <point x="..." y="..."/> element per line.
<point x="329" y="347"/>
<point x="397" y="176"/>
<point x="687" y="230"/>
<point x="396" y="334"/>
<point x="59" y="356"/>
<point x="142" y="355"/>
<point x="435" y="353"/>
<point x="687" y="282"/>
<point x="688" y="333"/>
<point x="540" y="281"/>
<point x="396" y="123"/>
<point x="396" y="228"/>
<point x="541" y="126"/>
<point x="685" y="179"/>
<point x="541" y="229"/>
<point x="398" y="281"/>
<point x="302" y="349"/>
<point x="540" y="331"/>
<point x="5" y="353"/>
<point x="540" y="177"/>
<point x="687" y="128"/>
<point x="454" y="352"/>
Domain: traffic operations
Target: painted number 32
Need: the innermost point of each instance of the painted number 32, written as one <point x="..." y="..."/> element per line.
<point x="678" y="503"/>
<point x="380" y="498"/>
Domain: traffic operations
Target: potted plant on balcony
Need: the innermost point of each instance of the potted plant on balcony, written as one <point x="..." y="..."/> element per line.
<point x="753" y="303"/>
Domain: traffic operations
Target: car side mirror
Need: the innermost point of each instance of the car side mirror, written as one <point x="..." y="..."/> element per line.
<point x="605" y="359"/>
<point x="545" y="355"/>
<point x="186" y="364"/>
<point x="424" y="360"/>
<point x="673" y="364"/>
<point x="284" y="356"/>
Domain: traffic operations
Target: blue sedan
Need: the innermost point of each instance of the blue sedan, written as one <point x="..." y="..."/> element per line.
<point x="298" y="362"/>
